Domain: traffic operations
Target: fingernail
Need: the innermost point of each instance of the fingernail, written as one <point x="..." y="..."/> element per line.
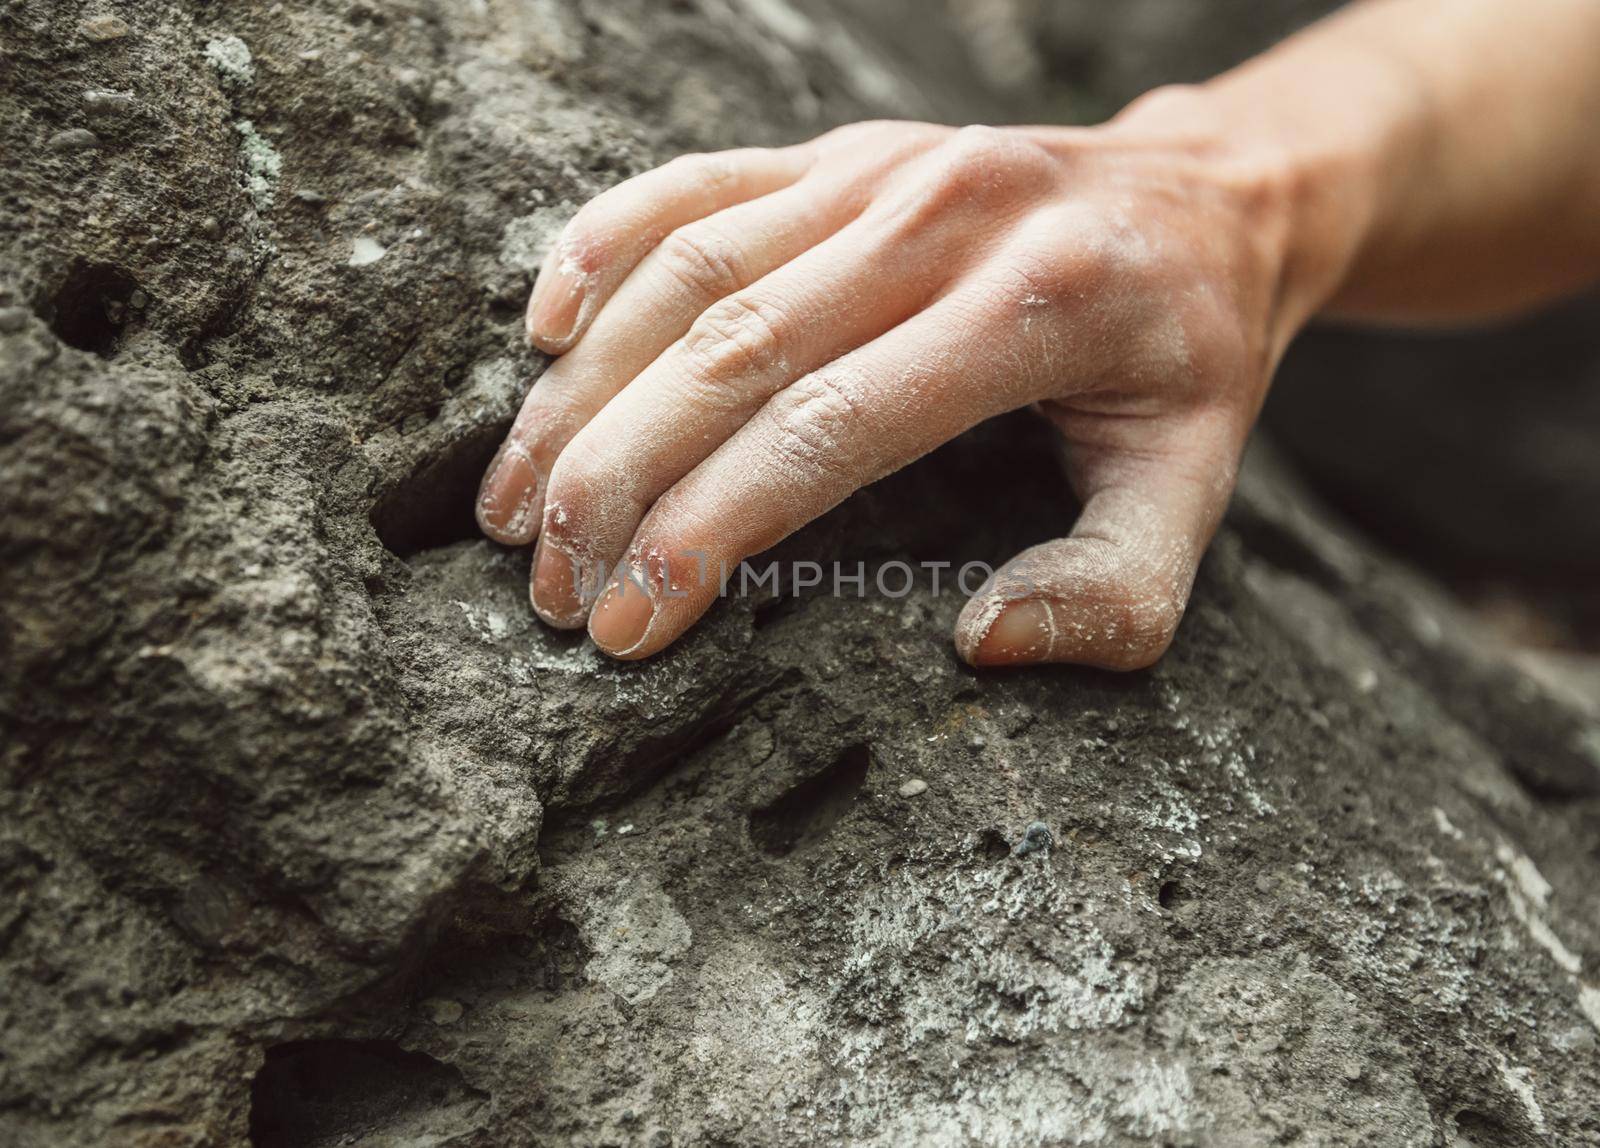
<point x="1021" y="634"/>
<point x="623" y="613"/>
<point x="557" y="577"/>
<point x="557" y="300"/>
<point x="509" y="497"/>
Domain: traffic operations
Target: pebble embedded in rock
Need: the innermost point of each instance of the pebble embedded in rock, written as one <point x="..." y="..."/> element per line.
<point x="101" y="29"/>
<point x="101" y="102"/>
<point x="365" y="250"/>
<point x="13" y="319"/>
<point x="74" y="139"/>
<point x="1035" y="837"/>
<point x="442" y="1011"/>
<point x="913" y="787"/>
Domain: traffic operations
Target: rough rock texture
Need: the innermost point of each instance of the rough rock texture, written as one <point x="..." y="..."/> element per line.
<point x="310" y="834"/>
<point x="1484" y="462"/>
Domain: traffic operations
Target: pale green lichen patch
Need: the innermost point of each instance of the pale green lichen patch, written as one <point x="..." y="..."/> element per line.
<point x="231" y="59"/>
<point x="261" y="163"/>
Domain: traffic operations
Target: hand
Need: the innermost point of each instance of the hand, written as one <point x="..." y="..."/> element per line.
<point x="746" y="338"/>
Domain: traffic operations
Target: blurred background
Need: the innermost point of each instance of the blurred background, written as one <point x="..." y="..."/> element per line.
<point x="1476" y="454"/>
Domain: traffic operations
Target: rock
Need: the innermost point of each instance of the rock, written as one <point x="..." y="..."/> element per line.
<point x="1035" y="837"/>
<point x="442" y="1012"/>
<point x="104" y="102"/>
<point x="914" y="787"/>
<point x="528" y="238"/>
<point x="74" y="139"/>
<point x="365" y="250"/>
<point x="291" y="773"/>
<point x="13" y="319"/>
<point x="103" y="29"/>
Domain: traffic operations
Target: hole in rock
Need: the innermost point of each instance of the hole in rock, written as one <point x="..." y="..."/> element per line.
<point x="994" y="845"/>
<point x="1172" y="894"/>
<point x="770" y="610"/>
<point x="1482" y="1130"/>
<point x="433" y="505"/>
<point x="546" y="955"/>
<point x="809" y="811"/>
<point x="90" y="308"/>
<point x="315" y="1093"/>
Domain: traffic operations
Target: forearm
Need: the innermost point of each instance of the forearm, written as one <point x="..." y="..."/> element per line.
<point x="1443" y="155"/>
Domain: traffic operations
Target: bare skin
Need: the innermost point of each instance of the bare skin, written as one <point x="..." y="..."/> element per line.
<point x="749" y="337"/>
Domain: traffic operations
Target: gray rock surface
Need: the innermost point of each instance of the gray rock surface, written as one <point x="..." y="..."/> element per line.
<point x="310" y="834"/>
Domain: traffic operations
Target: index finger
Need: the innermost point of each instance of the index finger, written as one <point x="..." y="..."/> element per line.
<point x="613" y="232"/>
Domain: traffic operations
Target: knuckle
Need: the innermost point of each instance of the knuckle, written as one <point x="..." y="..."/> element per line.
<point x="693" y="166"/>
<point x="1085" y="260"/>
<point x="710" y="396"/>
<point x="978" y="168"/>
<point x="741" y="335"/>
<point x="976" y="146"/>
<point x="709" y="169"/>
<point x="979" y="159"/>
<point x="1113" y="253"/>
<point x="703" y="261"/>
<point x="848" y="136"/>
<point x="1028" y="281"/>
<point x="812" y="419"/>
<point x="866" y="154"/>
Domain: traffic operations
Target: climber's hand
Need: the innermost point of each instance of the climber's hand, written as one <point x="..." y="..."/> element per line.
<point x="748" y="337"/>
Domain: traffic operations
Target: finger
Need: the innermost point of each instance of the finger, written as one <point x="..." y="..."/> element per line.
<point x="701" y="391"/>
<point x="871" y="276"/>
<point x="697" y="265"/>
<point x="703" y="261"/>
<point x="1111" y="595"/>
<point x="613" y="232"/>
<point x="807" y="449"/>
<point x="709" y="259"/>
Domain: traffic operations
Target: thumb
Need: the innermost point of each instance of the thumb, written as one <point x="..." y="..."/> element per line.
<point x="1112" y="593"/>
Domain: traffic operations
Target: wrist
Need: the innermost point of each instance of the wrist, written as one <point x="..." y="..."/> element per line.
<point x="1312" y="190"/>
<point x="1351" y="125"/>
